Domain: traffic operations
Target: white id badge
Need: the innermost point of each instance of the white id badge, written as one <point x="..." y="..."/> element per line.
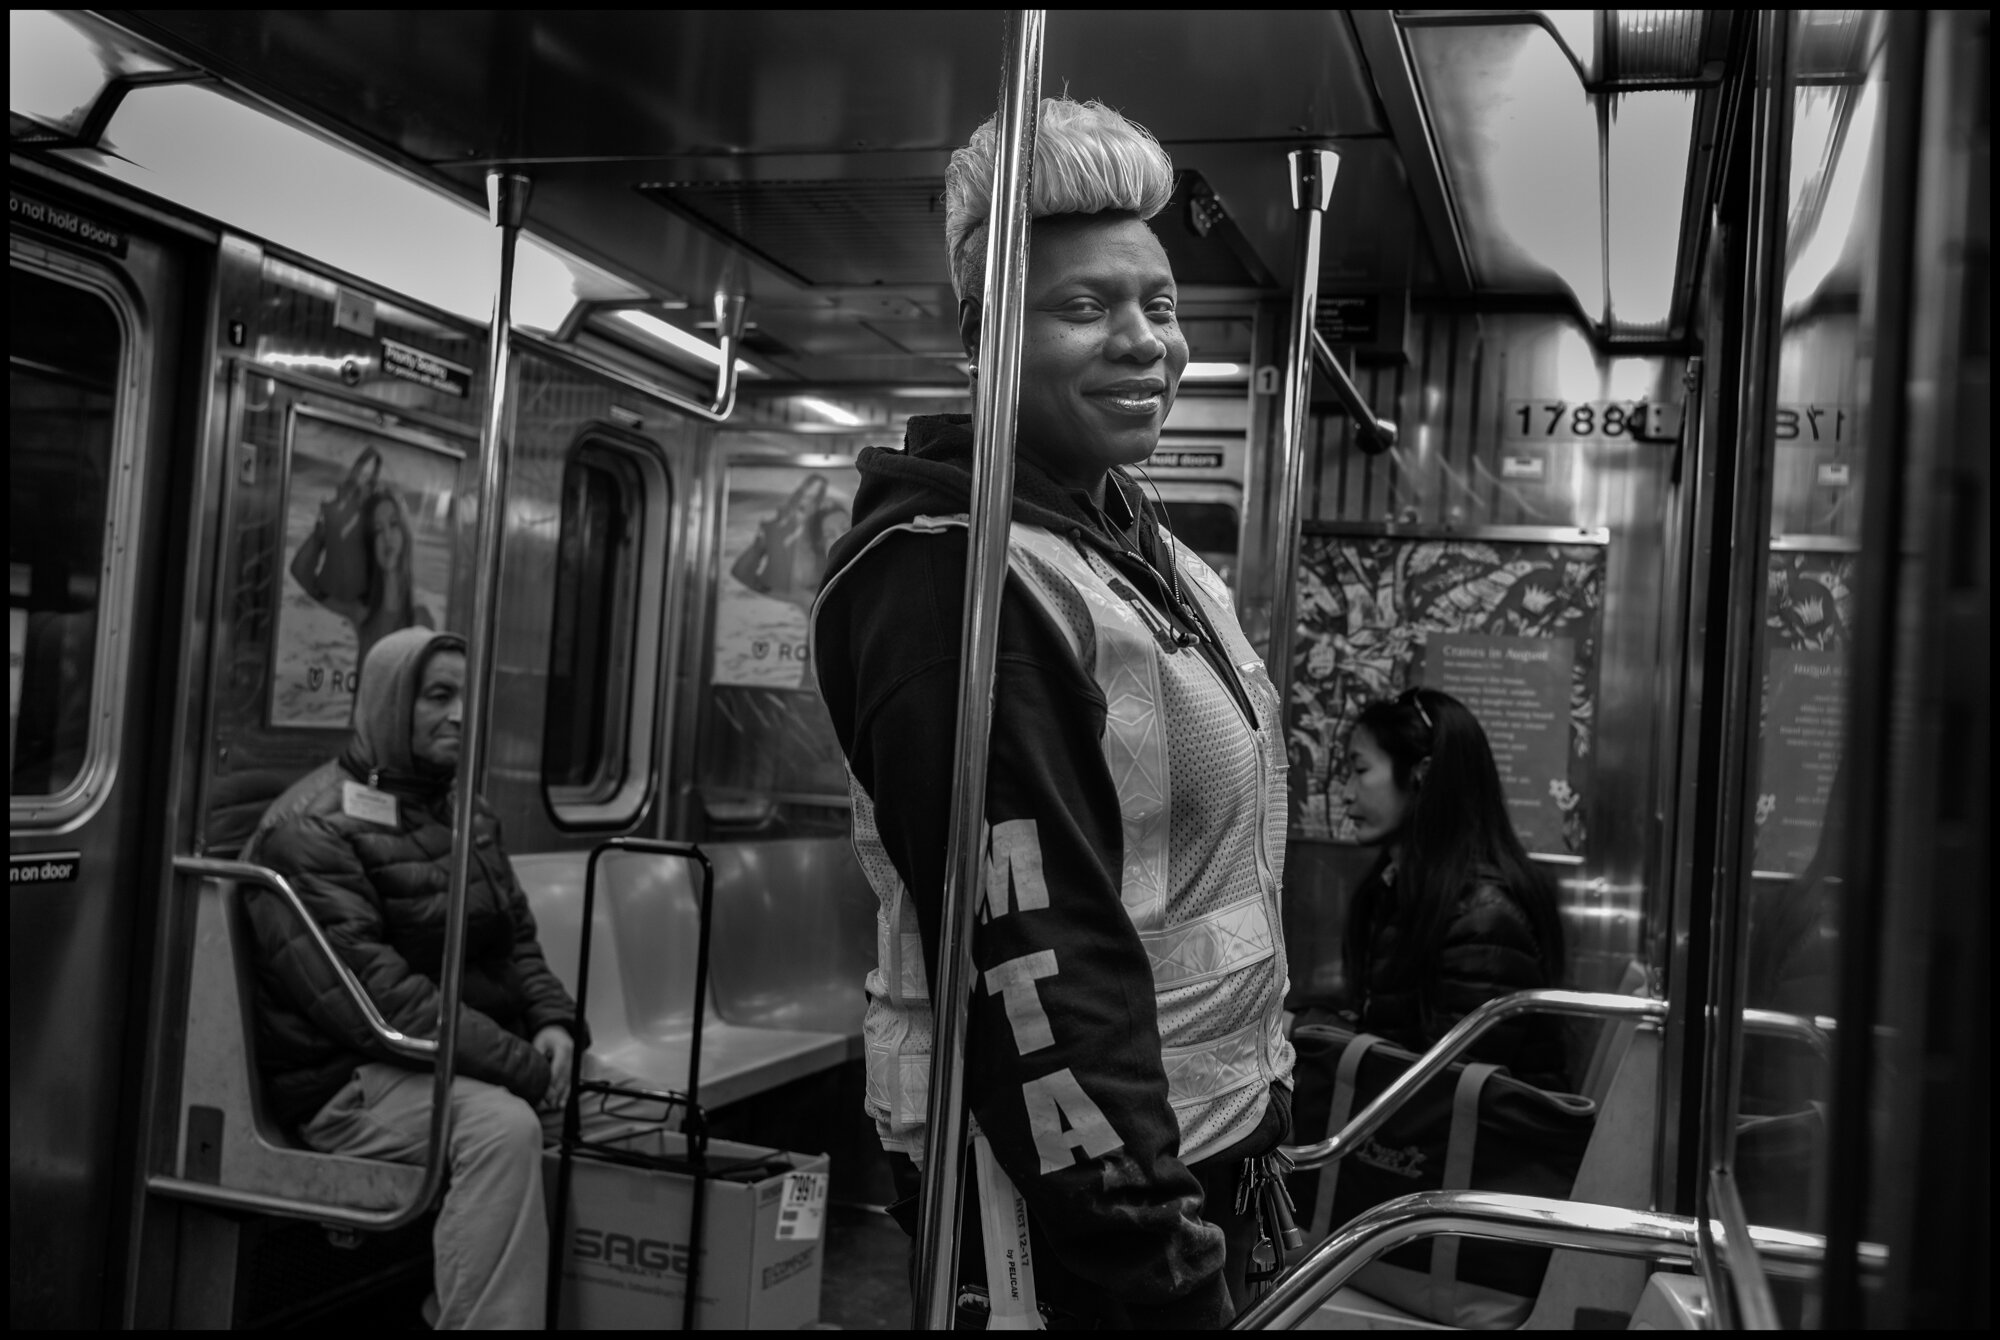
<point x="363" y="802"/>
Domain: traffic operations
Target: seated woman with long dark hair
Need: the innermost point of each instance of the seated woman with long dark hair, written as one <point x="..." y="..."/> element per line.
<point x="1453" y="914"/>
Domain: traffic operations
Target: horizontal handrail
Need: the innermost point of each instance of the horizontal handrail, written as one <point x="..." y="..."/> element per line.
<point x="417" y="1049"/>
<point x="1665" y="1238"/>
<point x="1815" y="1031"/>
<point x="1598" y="1004"/>
<point x="422" y="1049"/>
<point x="1382" y="430"/>
<point x="729" y="313"/>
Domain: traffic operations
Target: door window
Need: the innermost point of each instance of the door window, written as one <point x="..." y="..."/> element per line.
<point x="66" y="353"/>
<point x="603" y="654"/>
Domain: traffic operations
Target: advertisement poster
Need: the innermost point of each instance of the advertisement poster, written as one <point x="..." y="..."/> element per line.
<point x="1807" y="611"/>
<point x="778" y="523"/>
<point x="368" y="531"/>
<point x="1377" y="614"/>
<point x="1518" y="687"/>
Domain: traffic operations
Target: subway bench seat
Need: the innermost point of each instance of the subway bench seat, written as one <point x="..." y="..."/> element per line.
<point x="227" y="1136"/>
<point x="792" y="941"/>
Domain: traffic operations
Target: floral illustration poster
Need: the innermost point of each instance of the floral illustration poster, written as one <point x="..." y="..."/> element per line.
<point x="1510" y="627"/>
<point x="1808" y="606"/>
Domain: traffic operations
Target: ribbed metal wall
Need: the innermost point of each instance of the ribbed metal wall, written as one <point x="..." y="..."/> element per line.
<point x="1455" y="401"/>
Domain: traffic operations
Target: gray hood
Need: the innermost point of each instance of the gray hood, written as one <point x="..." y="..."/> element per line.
<point x="390" y="679"/>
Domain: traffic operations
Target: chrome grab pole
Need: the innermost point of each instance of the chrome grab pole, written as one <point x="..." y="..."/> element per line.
<point x="507" y="204"/>
<point x="1725" y="1263"/>
<point x="994" y="414"/>
<point x="1461" y="1036"/>
<point x="1313" y="172"/>
<point x="507" y="201"/>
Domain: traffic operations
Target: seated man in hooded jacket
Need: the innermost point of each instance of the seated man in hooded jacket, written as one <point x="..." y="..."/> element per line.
<point x="366" y="840"/>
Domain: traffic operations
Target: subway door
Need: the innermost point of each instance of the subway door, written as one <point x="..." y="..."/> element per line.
<point x="96" y="313"/>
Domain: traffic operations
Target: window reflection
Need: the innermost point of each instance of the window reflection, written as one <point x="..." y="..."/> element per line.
<point x="594" y="670"/>
<point x="1795" y="831"/>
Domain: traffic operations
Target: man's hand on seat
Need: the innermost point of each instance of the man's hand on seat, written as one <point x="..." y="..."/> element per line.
<point x="555" y="1043"/>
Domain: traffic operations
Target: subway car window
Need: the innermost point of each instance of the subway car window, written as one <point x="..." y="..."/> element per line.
<point x="64" y="358"/>
<point x="587" y="754"/>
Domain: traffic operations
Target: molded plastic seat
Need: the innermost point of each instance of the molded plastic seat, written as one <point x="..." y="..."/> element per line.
<point x="227" y="1138"/>
<point x="1581" y="1290"/>
<point x="785" y="920"/>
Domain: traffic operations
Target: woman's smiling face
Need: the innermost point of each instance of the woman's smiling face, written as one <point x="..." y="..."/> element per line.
<point x="1101" y="348"/>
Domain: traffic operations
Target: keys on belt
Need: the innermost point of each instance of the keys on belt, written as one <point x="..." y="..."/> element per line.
<point x="1260" y="1189"/>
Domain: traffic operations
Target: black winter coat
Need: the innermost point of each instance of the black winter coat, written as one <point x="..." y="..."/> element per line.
<point x="1489" y="950"/>
<point x="379" y="892"/>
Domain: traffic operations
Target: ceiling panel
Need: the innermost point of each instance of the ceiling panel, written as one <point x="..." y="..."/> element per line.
<point x="819" y="138"/>
<point x="449" y="86"/>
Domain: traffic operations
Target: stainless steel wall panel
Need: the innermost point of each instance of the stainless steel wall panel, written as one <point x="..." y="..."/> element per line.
<point x="78" y="961"/>
<point x="1456" y="403"/>
<point x="291" y="339"/>
<point x="558" y="402"/>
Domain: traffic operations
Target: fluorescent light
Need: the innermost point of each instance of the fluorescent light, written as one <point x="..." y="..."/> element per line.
<point x="54" y="71"/>
<point x="673" y="336"/>
<point x="1651" y="134"/>
<point x="266" y="177"/>
<point x="1845" y="168"/>
<point x="1576" y="29"/>
<point x="312" y="362"/>
<point x="1519" y="140"/>
<point x="1211" y="371"/>
<point x="829" y="411"/>
<point x="1816" y="110"/>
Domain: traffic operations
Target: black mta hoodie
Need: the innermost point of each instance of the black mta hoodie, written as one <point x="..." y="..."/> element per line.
<point x="1126" y="1227"/>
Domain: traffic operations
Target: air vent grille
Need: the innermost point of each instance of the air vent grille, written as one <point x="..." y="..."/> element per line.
<point x="1649" y="44"/>
<point x="824" y="232"/>
<point x="850" y="232"/>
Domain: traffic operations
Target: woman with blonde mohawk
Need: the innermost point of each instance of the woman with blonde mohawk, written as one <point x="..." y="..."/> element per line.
<point x="1126" y="1067"/>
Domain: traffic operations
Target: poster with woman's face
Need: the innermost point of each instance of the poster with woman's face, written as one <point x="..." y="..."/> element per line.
<point x="368" y="551"/>
<point x="778" y="523"/>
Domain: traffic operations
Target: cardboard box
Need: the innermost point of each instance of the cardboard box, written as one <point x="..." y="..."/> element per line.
<point x="625" y="1244"/>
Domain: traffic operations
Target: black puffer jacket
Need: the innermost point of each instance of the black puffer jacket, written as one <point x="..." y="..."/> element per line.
<point x="379" y="892"/>
<point x="1489" y="950"/>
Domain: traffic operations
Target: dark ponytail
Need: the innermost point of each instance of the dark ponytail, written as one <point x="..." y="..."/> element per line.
<point x="1456" y="824"/>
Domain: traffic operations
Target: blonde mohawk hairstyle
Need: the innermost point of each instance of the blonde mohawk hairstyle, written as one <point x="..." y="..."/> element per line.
<point x="1088" y="159"/>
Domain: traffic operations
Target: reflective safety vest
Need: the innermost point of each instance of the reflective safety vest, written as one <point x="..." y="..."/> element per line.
<point x="1201" y="793"/>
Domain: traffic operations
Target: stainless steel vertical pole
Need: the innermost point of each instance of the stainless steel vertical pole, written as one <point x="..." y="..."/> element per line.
<point x="1312" y="190"/>
<point x="507" y="203"/>
<point x="994" y="413"/>
<point x="1725" y="1260"/>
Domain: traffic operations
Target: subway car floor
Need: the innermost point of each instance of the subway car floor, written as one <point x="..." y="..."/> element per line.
<point x="864" y="1285"/>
